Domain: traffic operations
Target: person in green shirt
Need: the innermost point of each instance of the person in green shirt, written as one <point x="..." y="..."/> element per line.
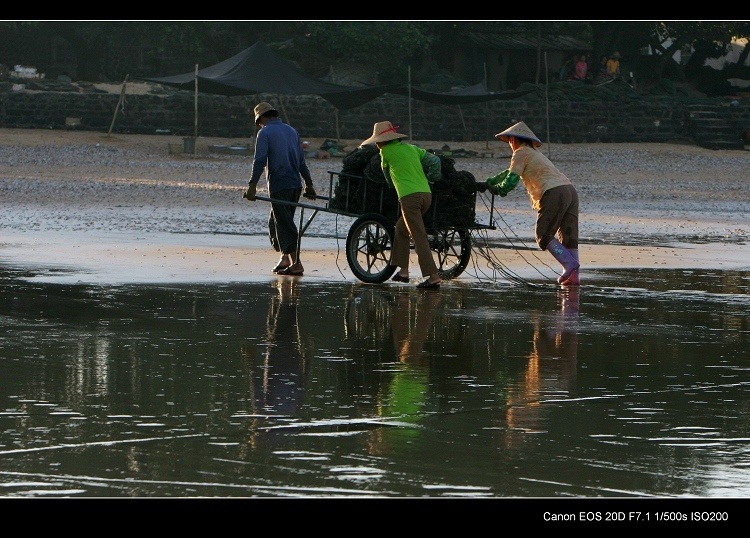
<point x="402" y="167"/>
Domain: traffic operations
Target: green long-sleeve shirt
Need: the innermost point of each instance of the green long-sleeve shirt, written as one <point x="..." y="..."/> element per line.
<point x="402" y="167"/>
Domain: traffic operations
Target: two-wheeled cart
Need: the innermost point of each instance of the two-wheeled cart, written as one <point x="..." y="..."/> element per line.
<point x="370" y="237"/>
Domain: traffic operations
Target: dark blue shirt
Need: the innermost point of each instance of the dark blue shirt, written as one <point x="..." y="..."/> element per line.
<point x="279" y="149"/>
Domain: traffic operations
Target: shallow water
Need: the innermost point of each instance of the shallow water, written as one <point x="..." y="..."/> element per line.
<point x="634" y="386"/>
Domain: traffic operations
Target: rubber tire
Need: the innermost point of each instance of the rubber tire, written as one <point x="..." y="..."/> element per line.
<point x="452" y="251"/>
<point x="368" y="248"/>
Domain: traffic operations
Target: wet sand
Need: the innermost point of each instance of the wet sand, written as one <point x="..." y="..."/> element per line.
<point x="113" y="209"/>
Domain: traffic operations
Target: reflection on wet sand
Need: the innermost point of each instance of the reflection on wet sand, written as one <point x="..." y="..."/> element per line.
<point x="292" y="388"/>
<point x="411" y="319"/>
<point x="277" y="365"/>
<point x="550" y="372"/>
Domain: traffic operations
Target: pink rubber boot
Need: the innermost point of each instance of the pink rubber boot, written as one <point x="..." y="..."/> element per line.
<point x="573" y="279"/>
<point x="565" y="257"/>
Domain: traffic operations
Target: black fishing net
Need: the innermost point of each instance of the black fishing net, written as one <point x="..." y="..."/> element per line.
<point x="362" y="188"/>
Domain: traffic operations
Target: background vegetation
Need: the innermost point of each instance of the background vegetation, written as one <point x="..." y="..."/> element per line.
<point x="110" y="50"/>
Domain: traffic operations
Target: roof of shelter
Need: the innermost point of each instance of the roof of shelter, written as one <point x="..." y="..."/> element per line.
<point x="520" y="41"/>
<point x="258" y="69"/>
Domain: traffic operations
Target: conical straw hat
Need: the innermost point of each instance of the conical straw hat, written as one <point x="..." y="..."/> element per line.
<point x="519" y="130"/>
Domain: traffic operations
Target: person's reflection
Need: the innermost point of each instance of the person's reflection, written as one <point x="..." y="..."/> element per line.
<point x="277" y="377"/>
<point x="551" y="369"/>
<point x="411" y="322"/>
<point x="411" y="325"/>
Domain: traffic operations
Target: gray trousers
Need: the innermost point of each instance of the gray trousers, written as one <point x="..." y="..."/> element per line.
<point x="558" y="216"/>
<point x="411" y="225"/>
<point x="282" y="230"/>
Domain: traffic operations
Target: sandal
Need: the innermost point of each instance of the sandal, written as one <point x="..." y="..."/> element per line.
<point x="288" y="271"/>
<point x="399" y="278"/>
<point x="427" y="285"/>
<point x="283" y="264"/>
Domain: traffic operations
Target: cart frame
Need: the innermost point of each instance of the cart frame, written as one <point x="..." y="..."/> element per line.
<point x="370" y="237"/>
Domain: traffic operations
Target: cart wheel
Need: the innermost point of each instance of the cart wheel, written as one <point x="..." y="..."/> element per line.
<point x="452" y="251"/>
<point x="368" y="248"/>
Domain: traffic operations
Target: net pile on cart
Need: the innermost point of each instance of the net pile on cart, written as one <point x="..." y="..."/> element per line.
<point x="362" y="188"/>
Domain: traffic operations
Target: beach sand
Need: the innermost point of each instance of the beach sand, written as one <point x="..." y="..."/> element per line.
<point x="88" y="207"/>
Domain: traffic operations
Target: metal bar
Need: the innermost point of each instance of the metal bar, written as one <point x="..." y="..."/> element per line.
<point x="305" y="205"/>
<point x="303" y="226"/>
<point x="299" y="233"/>
<point x="309" y="221"/>
<point x="492" y="209"/>
<point x="330" y="187"/>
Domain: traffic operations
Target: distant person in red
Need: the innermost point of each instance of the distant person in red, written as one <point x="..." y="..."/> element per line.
<point x="582" y="68"/>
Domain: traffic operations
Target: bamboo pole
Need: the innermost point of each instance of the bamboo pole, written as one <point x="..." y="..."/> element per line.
<point x="487" y="113"/>
<point x="195" y="128"/>
<point x="411" y="131"/>
<point x="336" y="111"/>
<point x="463" y="122"/>
<point x="119" y="103"/>
<point x="546" y="98"/>
<point x="283" y="109"/>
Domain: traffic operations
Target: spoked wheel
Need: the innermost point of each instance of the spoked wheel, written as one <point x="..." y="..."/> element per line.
<point x="452" y="251"/>
<point x="368" y="248"/>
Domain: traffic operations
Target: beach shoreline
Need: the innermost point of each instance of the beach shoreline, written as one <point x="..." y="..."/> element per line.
<point x="88" y="207"/>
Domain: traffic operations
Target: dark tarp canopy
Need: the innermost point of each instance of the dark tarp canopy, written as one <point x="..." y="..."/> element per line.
<point x="258" y="69"/>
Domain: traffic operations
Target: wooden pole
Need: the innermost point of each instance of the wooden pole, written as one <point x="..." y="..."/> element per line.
<point x="539" y="50"/>
<point x="411" y="131"/>
<point x="546" y="98"/>
<point x="195" y="128"/>
<point x="463" y="122"/>
<point x="119" y="103"/>
<point x="283" y="109"/>
<point x="336" y="111"/>
<point x="487" y="113"/>
<point x="195" y="114"/>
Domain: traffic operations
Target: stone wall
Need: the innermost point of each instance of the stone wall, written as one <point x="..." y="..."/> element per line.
<point x="641" y="119"/>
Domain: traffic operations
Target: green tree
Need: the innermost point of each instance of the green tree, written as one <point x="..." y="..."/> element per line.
<point x="703" y="39"/>
<point x="388" y="47"/>
<point x="101" y="48"/>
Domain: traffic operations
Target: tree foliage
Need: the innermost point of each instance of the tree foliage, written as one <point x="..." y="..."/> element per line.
<point x="388" y="47"/>
<point x="111" y="49"/>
